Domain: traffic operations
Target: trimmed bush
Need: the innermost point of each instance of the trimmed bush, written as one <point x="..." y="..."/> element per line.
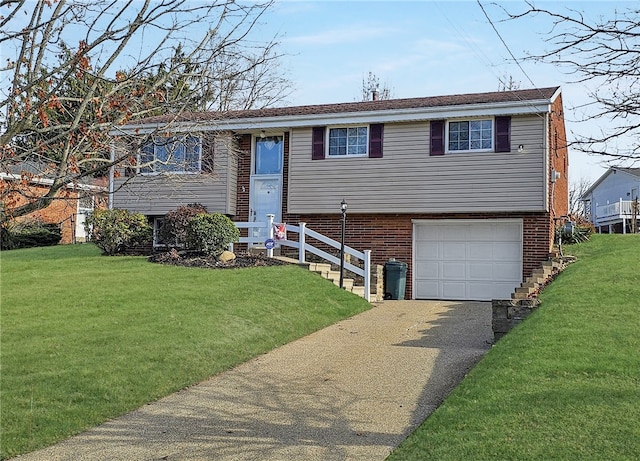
<point x="30" y="234"/>
<point x="173" y="232"/>
<point x="211" y="233"/>
<point x="118" y="231"/>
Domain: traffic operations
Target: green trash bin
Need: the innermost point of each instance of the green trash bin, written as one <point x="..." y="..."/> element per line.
<point x="395" y="279"/>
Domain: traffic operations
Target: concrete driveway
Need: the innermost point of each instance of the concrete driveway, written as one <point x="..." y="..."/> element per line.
<point x="352" y="391"/>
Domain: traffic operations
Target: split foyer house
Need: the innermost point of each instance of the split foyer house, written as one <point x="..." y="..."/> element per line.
<point x="463" y="188"/>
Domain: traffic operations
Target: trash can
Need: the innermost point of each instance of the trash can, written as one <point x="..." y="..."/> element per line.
<point x="395" y="279"/>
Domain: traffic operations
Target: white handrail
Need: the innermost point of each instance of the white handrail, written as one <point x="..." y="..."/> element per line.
<point x="302" y="246"/>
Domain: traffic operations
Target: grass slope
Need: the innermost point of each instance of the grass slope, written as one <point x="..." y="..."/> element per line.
<point x="85" y="337"/>
<point x="565" y="384"/>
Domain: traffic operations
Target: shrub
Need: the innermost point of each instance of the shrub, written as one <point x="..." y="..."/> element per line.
<point x="173" y="232"/>
<point x="211" y="233"/>
<point x="580" y="234"/>
<point x="117" y="231"/>
<point x="30" y="233"/>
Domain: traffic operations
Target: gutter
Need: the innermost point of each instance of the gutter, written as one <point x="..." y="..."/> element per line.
<point x="361" y="117"/>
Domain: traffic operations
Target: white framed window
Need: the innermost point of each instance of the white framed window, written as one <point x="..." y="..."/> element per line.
<point x="171" y="154"/>
<point x="470" y="135"/>
<point x="85" y="204"/>
<point x="344" y="141"/>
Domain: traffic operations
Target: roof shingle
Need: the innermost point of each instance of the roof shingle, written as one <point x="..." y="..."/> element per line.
<point x="380" y="105"/>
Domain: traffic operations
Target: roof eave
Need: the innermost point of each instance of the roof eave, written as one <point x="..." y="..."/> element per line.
<point x="376" y="116"/>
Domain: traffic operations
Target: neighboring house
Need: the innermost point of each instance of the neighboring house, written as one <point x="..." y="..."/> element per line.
<point x="609" y="201"/>
<point x="463" y="188"/>
<point x="70" y="207"/>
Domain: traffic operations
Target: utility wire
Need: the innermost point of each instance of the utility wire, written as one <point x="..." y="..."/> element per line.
<point x="504" y="43"/>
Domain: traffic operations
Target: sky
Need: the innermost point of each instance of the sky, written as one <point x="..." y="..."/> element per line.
<point x="426" y="48"/>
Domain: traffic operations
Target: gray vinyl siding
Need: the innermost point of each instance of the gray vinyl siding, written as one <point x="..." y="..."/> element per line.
<point x="408" y="180"/>
<point x="157" y="194"/>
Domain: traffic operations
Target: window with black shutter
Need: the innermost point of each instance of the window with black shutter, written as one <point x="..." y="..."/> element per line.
<point x="376" y="132"/>
<point x="436" y="141"/>
<point x="317" y="140"/>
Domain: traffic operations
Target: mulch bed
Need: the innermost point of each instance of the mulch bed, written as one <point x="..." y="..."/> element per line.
<point x="176" y="258"/>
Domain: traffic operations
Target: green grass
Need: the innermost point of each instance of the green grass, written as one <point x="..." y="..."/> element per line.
<point x="85" y="337"/>
<point x="565" y="384"/>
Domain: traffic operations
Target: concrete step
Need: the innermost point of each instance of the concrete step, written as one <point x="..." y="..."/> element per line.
<point x="517" y="295"/>
<point x="347" y="284"/>
<point x="537" y="280"/>
<point x="319" y="267"/>
<point x="544" y="273"/>
<point x="357" y="290"/>
<point x="530" y="285"/>
<point x="287" y="260"/>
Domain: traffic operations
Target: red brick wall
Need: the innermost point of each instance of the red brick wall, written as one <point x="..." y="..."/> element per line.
<point x="62" y="210"/>
<point x="390" y="236"/>
<point x="558" y="160"/>
<point x="244" y="175"/>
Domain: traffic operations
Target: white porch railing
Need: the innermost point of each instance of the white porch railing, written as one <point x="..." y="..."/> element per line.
<point x="302" y="245"/>
<point x="616" y="210"/>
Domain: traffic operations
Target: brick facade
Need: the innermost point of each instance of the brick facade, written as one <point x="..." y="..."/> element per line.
<point x="391" y="236"/>
<point x="558" y="160"/>
<point x="62" y="211"/>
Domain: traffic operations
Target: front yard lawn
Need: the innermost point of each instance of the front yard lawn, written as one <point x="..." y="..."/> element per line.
<point x="87" y="337"/>
<point x="565" y="384"/>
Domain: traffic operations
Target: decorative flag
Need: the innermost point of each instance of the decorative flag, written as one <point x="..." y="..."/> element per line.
<point x="279" y="231"/>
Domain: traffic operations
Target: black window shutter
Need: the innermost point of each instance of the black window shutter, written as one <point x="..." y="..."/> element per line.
<point x="503" y="134"/>
<point x="317" y="140"/>
<point x="436" y="142"/>
<point x="376" y="132"/>
<point x="207" y="154"/>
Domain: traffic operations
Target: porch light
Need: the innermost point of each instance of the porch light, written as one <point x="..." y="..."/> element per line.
<point x="343" y="210"/>
<point x="262" y="134"/>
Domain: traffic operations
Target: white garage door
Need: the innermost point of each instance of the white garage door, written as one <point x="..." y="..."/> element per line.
<point x="467" y="259"/>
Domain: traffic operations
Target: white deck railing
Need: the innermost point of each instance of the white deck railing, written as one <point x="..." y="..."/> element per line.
<point x="302" y="245"/>
<point x="616" y="210"/>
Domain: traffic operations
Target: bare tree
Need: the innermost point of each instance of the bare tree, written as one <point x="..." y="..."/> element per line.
<point x="507" y="83"/>
<point x="606" y="53"/>
<point x="576" y="191"/>
<point x="371" y="89"/>
<point x="79" y="69"/>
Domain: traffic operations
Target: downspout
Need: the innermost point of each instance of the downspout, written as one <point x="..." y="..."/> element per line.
<point x="112" y="155"/>
<point x="550" y="181"/>
<point x="548" y="189"/>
